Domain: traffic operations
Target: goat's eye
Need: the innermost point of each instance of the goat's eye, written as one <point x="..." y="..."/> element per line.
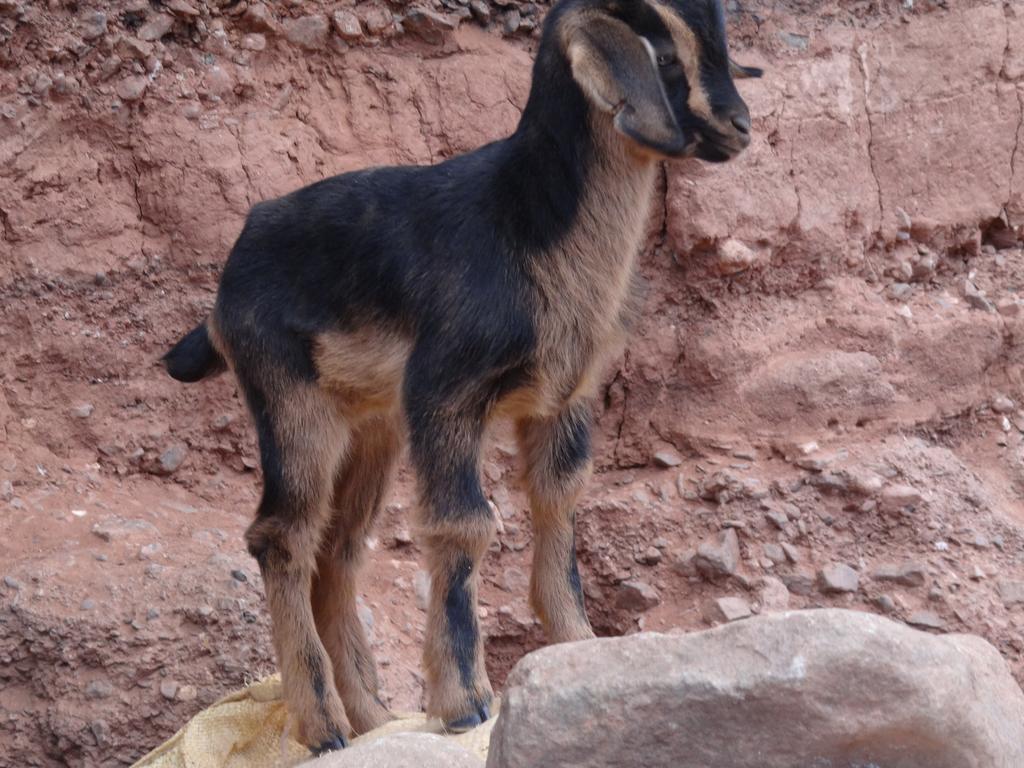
<point x="664" y="59"/>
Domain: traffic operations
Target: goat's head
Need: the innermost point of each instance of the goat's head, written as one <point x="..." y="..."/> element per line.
<point x="660" y="70"/>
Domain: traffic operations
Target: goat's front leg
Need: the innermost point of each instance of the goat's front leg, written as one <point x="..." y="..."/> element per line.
<point x="457" y="527"/>
<point x="557" y="454"/>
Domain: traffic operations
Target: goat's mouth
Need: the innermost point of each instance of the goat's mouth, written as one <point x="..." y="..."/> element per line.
<point x="719" y="149"/>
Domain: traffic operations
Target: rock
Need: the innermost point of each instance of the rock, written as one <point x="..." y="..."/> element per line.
<point x="254" y="41"/>
<point x="132" y="88"/>
<point x="400" y="750"/>
<point x="667" y="459"/>
<point x="171" y="460"/>
<point x="258" y="18"/>
<point x="926" y="620"/>
<point x="513" y="21"/>
<point x="168" y="688"/>
<point x="897" y="497"/>
<point x="181" y="8"/>
<point x="800" y="582"/>
<point x="652" y="556"/>
<point x="734" y="257"/>
<point x="156" y="27"/>
<point x="773" y="594"/>
<point x="428" y="25"/>
<point x="149" y="551"/>
<point x="1002" y="404"/>
<point x="636" y="596"/>
<point x="775" y="553"/>
<point x="1011" y="593"/>
<point x="976" y="298"/>
<point x="307" y="32"/>
<point x="119" y="528"/>
<point x="825" y="687"/>
<point x="88" y="604"/>
<point x="98" y="689"/>
<point x="718" y="556"/>
<point x="240" y="576"/>
<point x="347" y="25"/>
<point x="480" y="10"/>
<point x="838" y="578"/>
<point x="187" y="693"/>
<point x="12" y="583"/>
<point x="885" y="604"/>
<point x="777" y="518"/>
<point x="6" y="490"/>
<point x="792" y="553"/>
<point x="421" y="586"/>
<point x="907" y="574"/>
<point x="725" y="609"/>
<point x="217" y="83"/>
<point x="93" y="25"/>
<point x="378" y="21"/>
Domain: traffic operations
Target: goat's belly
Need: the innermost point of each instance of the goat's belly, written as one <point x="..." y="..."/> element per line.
<point x="364" y="368"/>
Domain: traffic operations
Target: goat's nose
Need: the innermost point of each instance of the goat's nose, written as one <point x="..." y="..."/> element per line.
<point x="741" y="121"/>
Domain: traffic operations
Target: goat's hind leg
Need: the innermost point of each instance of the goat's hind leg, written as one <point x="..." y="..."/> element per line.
<point x="358" y="494"/>
<point x="302" y="439"/>
<point x="557" y="453"/>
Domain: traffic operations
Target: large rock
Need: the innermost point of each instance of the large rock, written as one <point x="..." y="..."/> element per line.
<point x="827" y="688"/>
<point x="401" y="750"/>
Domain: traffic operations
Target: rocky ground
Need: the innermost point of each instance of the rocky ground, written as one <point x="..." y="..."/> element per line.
<point x="821" y="407"/>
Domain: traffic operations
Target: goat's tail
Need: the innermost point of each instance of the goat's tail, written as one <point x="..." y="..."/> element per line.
<point x="194" y="357"/>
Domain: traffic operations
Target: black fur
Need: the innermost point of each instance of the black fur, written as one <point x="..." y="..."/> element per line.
<point x="461" y="615"/>
<point x="193" y="358"/>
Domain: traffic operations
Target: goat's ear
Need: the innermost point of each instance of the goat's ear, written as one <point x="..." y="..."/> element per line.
<point x="616" y="69"/>
<point x="738" y="71"/>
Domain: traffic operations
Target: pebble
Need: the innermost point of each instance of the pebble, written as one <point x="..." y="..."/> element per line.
<point x="147" y="551"/>
<point x="307" y="32"/>
<point x="93" y="25"/>
<point x="773" y="594"/>
<point x="976" y="298"/>
<point x="254" y="41"/>
<point x="480" y="10"/>
<point x="727" y="609"/>
<point x="908" y="574"/>
<point x="775" y="553"/>
<point x="838" y="578"/>
<point x="421" y="586"/>
<point x="168" y="689"/>
<point x="238" y="575"/>
<point x="719" y="555"/>
<point x="799" y="582"/>
<point x="637" y="596"/>
<point x="734" y="257"/>
<point x="885" y="604"/>
<point x="157" y="27"/>
<point x="83" y="411"/>
<point x="777" y="518"/>
<point x="792" y="553"/>
<point x="258" y="18"/>
<point x="650" y="557"/>
<point x="88" y="604"/>
<point x="6" y="490"/>
<point x="347" y="25"/>
<point x="667" y="459"/>
<point x="897" y="497"/>
<point x="181" y="7"/>
<point x="1011" y="593"/>
<point x="132" y="87"/>
<point x="513" y="21"/>
<point x="172" y="459"/>
<point x="12" y="582"/>
<point x="98" y="689"/>
<point x="428" y="25"/>
<point x="926" y="620"/>
<point x="1003" y="404"/>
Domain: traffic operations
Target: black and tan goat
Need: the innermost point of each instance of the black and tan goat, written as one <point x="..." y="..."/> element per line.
<point x="419" y="303"/>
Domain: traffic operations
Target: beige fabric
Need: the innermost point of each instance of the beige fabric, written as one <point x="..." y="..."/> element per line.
<point x="248" y="729"/>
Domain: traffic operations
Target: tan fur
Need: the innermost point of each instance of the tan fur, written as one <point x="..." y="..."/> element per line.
<point x="552" y="501"/>
<point x="363" y="367"/>
<point x="358" y="495"/>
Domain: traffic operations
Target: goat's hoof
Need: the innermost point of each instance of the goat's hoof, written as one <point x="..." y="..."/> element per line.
<point x="469" y="722"/>
<point x="336" y="742"/>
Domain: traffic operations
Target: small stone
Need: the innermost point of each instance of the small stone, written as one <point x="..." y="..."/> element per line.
<point x="976" y="298"/>
<point x="775" y="553"/>
<point x="1002" y="404"/>
<point x="513" y="21"/>
<point x="792" y="553"/>
<point x="238" y="575"/>
<point x="347" y="25"/>
<point x="773" y="595"/>
<point x="168" y="689"/>
<point x="719" y="555"/>
<point x="88" y="604"/>
<point x="898" y="497"/>
<point x="1011" y="593"/>
<point x="152" y="614"/>
<point x="379" y="21"/>
<point x="813" y="463"/>
<point x="132" y="88"/>
<point x="181" y="8"/>
<point x="187" y="693"/>
<point x="258" y="18"/>
<point x="637" y="596"/>
<point x="171" y="459"/>
<point x="12" y="582"/>
<point x="93" y="25"/>
<point x="307" y="32"/>
<point x="148" y="551"/>
<point x="480" y="10"/>
<point x="98" y="689"/>
<point x="907" y="574"/>
<point x="777" y="518"/>
<point x="667" y="459"/>
<point x="421" y="586"/>
<point x="885" y="604"/>
<point x="926" y="620"/>
<point x="428" y="25"/>
<point x="156" y="27"/>
<point x="734" y="257"/>
<point x="6" y="490"/>
<point x="726" y="609"/>
<point x="254" y="41"/>
<point x="838" y="578"/>
<point x="652" y="556"/>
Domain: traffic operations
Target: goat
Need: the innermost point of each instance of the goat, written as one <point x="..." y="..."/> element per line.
<point x="416" y="304"/>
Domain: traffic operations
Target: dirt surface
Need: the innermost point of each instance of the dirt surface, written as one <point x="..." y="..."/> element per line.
<point x="829" y="364"/>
